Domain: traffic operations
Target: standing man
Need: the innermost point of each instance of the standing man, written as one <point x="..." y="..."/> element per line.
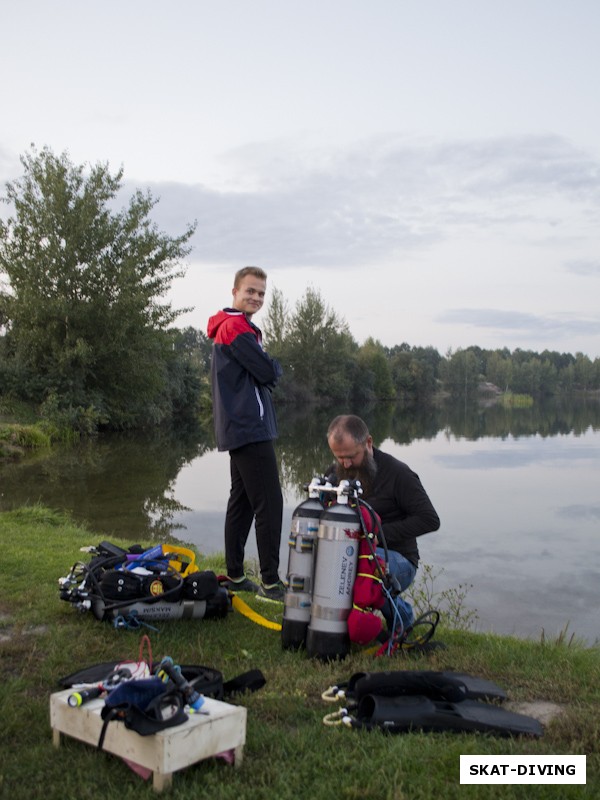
<point x="395" y="492"/>
<point x="243" y="376"/>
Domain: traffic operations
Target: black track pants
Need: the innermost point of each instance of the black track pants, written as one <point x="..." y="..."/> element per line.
<point x="255" y="495"/>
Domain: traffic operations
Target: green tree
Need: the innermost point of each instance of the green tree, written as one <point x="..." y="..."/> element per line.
<point x="527" y="376"/>
<point x="276" y="325"/>
<point x="567" y="378"/>
<point x="584" y="372"/>
<point x="375" y="371"/>
<point x="85" y="316"/>
<point x="403" y="376"/>
<point x="549" y="378"/>
<point x="314" y="346"/>
<point x="460" y="372"/>
<point x="414" y="371"/>
<point x="189" y="368"/>
<point x="499" y="370"/>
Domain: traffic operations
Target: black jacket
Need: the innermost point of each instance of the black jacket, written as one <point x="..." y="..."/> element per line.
<point x="242" y="376"/>
<point x="402" y="503"/>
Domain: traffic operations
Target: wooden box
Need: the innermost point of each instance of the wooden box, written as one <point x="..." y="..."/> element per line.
<point x="221" y="728"/>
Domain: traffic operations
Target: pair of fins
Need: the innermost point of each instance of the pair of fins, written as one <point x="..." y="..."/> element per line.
<point x="405" y="700"/>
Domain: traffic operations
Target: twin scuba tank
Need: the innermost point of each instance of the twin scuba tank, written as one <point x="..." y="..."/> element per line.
<point x="322" y="565"/>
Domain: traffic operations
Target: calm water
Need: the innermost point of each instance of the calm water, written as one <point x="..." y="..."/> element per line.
<point x="517" y="493"/>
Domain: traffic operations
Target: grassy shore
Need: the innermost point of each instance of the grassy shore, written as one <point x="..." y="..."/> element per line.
<point x="289" y="752"/>
<point x="16" y="439"/>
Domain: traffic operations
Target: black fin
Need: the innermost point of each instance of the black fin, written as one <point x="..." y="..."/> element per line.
<point x="478" y="688"/>
<point x="450" y="686"/>
<point x="96" y="673"/>
<point x="416" y="712"/>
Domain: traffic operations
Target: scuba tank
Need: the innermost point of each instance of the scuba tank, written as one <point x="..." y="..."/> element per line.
<point x="302" y="541"/>
<point x="335" y="570"/>
<point x="210" y="608"/>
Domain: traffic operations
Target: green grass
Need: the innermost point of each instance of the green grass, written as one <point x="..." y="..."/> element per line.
<point x="289" y="752"/>
<point x="16" y="438"/>
<point x="511" y="400"/>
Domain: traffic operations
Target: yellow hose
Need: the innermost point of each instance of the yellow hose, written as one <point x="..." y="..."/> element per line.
<point x="245" y="609"/>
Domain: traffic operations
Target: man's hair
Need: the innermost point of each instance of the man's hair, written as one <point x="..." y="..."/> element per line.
<point x="241" y="274"/>
<point x="348" y="424"/>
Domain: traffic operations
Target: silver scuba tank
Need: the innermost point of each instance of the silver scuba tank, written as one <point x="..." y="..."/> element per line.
<point x="216" y="606"/>
<point x="335" y="571"/>
<point x="302" y="541"/>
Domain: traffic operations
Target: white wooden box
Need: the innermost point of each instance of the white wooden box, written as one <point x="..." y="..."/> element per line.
<point x="203" y="735"/>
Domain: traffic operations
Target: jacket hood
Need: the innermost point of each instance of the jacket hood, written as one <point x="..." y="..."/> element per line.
<point x="215" y="322"/>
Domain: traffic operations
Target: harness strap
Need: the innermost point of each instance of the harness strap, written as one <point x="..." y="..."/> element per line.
<point x="113" y="714"/>
<point x="369" y="575"/>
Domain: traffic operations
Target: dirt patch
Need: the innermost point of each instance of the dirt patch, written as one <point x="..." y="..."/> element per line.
<point x="5" y="620"/>
<point x="8" y="632"/>
<point x="542" y="710"/>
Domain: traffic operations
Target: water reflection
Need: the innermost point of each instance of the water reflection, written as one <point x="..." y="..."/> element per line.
<point x="120" y="485"/>
<point x="516" y="491"/>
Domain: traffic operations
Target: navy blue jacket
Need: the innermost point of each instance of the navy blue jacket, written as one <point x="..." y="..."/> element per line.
<point x="242" y="376"/>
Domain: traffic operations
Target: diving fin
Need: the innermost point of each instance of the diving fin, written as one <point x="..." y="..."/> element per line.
<point x="450" y="686"/>
<point x="96" y="673"/>
<point x="416" y="712"/>
<point x="478" y="688"/>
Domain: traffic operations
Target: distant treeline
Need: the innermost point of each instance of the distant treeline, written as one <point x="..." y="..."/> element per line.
<point x="322" y="361"/>
<point x="322" y="364"/>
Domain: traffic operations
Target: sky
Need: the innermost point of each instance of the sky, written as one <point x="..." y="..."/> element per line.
<point x="431" y="167"/>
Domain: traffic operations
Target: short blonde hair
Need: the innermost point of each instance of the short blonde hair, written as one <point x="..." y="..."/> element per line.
<point x="241" y="274"/>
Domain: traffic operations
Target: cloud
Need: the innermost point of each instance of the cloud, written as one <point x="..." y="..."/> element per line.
<point x="375" y="201"/>
<point x="587" y="269"/>
<point x="579" y="512"/>
<point x="378" y="199"/>
<point x="550" y="326"/>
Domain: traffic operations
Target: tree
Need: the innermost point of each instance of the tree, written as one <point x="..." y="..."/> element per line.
<point x="314" y="346"/>
<point x="414" y="371"/>
<point x="403" y="374"/>
<point x="460" y="372"/>
<point x="584" y="371"/>
<point x="85" y="318"/>
<point x="189" y="368"/>
<point x="374" y="367"/>
<point x="277" y="323"/>
<point x="499" y="370"/>
<point x="527" y="376"/>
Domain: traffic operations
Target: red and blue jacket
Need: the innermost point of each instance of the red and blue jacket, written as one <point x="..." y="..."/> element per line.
<point x="243" y="376"/>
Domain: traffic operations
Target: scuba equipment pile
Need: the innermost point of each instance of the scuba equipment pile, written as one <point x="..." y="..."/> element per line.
<point x="336" y="581"/>
<point x="402" y="701"/>
<point x="150" y="697"/>
<point x="136" y="585"/>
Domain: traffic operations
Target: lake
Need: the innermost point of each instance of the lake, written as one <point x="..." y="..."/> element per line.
<point x="517" y="492"/>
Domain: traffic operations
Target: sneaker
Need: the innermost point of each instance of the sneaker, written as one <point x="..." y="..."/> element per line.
<point x="243" y="584"/>
<point x="275" y="592"/>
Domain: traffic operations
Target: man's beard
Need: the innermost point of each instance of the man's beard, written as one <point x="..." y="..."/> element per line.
<point x="365" y="473"/>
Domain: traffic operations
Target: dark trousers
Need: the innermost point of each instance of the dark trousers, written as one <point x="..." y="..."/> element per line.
<point x="255" y="495"/>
